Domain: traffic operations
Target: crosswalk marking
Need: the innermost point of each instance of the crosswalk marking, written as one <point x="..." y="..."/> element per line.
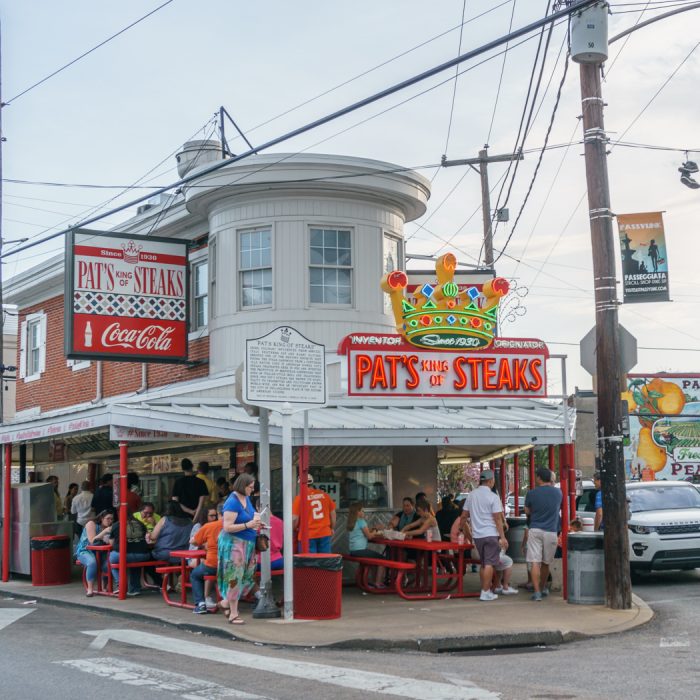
<point x="355" y="679"/>
<point x="10" y="615"/>
<point x="130" y="673"/>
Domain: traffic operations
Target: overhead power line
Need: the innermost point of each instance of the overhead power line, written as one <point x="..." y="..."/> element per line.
<point x="87" y="53"/>
<point x="523" y="31"/>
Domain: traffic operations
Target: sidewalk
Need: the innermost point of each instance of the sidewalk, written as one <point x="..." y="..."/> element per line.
<point x="375" y="622"/>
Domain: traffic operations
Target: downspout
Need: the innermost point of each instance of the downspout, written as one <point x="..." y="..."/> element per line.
<point x="144" y="378"/>
<point x="98" y="383"/>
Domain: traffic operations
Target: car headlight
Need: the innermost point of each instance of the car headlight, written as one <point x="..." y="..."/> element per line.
<point x="642" y="529"/>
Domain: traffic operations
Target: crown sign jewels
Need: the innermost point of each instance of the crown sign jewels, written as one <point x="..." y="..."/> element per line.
<point x="445" y="316"/>
<point x="131" y="252"/>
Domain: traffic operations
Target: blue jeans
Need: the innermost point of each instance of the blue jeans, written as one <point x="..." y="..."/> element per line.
<point x="276" y="565"/>
<point x="134" y="574"/>
<point x="197" y="580"/>
<point x="87" y="559"/>
<point x="320" y="545"/>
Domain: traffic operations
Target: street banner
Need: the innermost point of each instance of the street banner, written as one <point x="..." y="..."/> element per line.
<point x="644" y="257"/>
<point x="126" y="297"/>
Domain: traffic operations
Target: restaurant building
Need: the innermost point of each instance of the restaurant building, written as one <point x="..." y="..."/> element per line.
<point x="274" y="240"/>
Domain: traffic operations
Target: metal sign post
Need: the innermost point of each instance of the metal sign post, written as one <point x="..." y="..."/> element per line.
<point x="285" y="372"/>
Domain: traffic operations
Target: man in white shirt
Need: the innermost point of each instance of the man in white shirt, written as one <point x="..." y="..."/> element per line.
<point x="484" y="510"/>
<point x="81" y="508"/>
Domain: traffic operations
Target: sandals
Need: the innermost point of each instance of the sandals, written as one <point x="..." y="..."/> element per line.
<point x="238" y="620"/>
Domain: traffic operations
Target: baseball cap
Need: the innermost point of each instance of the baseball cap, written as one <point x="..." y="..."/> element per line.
<point x="486" y="475"/>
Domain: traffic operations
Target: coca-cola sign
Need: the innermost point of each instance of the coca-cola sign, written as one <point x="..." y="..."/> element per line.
<point x="126" y="297"/>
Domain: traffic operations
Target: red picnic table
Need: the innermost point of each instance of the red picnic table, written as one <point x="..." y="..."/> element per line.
<point x="98" y="549"/>
<point x="431" y="582"/>
<point x="183" y="568"/>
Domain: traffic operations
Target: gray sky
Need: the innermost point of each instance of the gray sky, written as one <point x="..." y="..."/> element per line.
<point x="116" y="114"/>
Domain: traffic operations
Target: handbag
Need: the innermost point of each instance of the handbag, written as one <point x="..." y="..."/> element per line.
<point x="262" y="543"/>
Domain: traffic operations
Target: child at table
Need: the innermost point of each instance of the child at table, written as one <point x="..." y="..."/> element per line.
<point x="426" y="522"/>
<point x="359" y="536"/>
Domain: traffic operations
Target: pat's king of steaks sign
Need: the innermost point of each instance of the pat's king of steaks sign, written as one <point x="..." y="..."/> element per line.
<point x="126" y="297"/>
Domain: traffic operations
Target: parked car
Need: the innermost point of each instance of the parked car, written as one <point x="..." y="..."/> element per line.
<point x="664" y="524"/>
<point x="510" y="506"/>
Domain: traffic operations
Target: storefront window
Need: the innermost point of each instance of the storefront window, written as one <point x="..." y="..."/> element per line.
<point x="345" y="485"/>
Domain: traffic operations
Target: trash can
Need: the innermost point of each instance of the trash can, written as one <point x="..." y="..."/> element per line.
<point x="515" y="536"/>
<point x="318" y="586"/>
<point x="51" y="560"/>
<point x="586" y="568"/>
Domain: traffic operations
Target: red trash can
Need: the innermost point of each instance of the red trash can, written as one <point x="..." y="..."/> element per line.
<point x="318" y="586"/>
<point x="51" y="560"/>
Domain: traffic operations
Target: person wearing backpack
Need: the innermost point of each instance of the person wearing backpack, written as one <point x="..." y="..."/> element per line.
<point x="136" y="550"/>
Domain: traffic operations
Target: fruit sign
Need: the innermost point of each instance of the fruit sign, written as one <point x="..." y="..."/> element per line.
<point x="126" y="297"/>
<point x="664" y="426"/>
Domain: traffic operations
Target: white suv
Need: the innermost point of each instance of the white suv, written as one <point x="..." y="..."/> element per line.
<point x="664" y="524"/>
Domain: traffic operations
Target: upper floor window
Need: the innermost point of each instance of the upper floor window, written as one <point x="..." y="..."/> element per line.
<point x="32" y="352"/>
<point x="255" y="267"/>
<point x="200" y="294"/>
<point x="330" y="272"/>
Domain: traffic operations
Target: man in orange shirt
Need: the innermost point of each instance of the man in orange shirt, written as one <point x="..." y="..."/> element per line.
<point x="320" y="517"/>
<point x="207" y="537"/>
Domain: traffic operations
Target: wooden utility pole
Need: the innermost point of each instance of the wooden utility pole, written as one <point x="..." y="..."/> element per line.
<point x="617" y="568"/>
<point x="482" y="161"/>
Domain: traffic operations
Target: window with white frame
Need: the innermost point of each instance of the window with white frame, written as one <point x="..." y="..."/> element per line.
<point x="200" y="294"/>
<point x="212" y="279"/>
<point x="255" y="267"/>
<point x="392" y="259"/>
<point x="330" y="266"/>
<point x="32" y="353"/>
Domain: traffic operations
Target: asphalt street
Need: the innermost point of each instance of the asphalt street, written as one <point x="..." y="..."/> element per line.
<point x="57" y="652"/>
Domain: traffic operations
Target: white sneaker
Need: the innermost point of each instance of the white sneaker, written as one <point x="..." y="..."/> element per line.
<point x="499" y="589"/>
<point x="211" y="604"/>
<point x="487" y="595"/>
<point x="509" y="591"/>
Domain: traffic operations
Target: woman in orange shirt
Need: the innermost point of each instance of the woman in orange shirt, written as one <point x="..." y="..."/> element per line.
<point x="207" y="537"/>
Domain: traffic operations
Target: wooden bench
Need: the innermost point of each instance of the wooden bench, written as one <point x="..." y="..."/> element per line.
<point x="398" y="568"/>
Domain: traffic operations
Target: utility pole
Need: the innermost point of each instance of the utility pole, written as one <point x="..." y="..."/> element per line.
<point x="618" y="589"/>
<point x="482" y="161"/>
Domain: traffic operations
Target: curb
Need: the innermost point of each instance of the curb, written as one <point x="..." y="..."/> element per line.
<point x="434" y="645"/>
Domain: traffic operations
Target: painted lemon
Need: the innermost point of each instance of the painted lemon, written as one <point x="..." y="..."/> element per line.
<point x="653" y="455"/>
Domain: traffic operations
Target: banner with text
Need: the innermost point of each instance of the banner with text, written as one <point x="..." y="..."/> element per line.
<point x="644" y="257"/>
<point x="126" y="297"/>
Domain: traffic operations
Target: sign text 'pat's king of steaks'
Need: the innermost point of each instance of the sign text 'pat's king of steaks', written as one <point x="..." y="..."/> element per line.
<point x="126" y="297"/>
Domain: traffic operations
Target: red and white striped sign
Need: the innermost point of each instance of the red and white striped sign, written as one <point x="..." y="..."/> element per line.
<point x="126" y="297"/>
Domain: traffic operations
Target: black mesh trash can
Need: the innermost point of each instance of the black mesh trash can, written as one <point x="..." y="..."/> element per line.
<point x="318" y="586"/>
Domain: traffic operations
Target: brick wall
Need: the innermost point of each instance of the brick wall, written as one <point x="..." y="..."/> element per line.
<point x="59" y="386"/>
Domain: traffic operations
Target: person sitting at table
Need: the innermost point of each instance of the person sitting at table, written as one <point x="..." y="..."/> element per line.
<point x="359" y="536"/>
<point x="276" y="537"/>
<point x="137" y="550"/>
<point x="147" y="515"/>
<point x="206" y="537"/>
<point x="426" y="522"/>
<point x="171" y="533"/>
<point x="446" y="516"/>
<point x="405" y="516"/>
<point x="96" y="531"/>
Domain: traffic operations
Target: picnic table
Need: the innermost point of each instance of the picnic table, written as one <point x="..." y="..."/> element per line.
<point x="98" y="549"/>
<point x="433" y="579"/>
<point x="183" y="568"/>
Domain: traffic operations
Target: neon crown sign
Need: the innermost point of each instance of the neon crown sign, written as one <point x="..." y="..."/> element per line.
<point x="444" y="315"/>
